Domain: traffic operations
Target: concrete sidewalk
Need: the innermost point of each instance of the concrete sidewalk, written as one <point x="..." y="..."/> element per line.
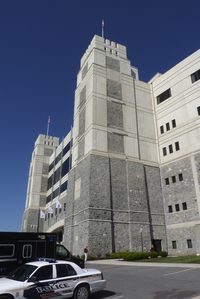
<point x="119" y="262"/>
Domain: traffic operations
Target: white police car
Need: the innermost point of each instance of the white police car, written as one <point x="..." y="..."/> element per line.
<point x="51" y="279"/>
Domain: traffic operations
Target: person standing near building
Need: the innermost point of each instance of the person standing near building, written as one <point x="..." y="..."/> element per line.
<point x="86" y="253"/>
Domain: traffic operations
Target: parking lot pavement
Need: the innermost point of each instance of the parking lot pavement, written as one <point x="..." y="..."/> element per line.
<point x="119" y="262"/>
<point x="133" y="280"/>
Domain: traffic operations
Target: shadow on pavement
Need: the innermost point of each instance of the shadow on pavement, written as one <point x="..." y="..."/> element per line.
<point x="102" y="294"/>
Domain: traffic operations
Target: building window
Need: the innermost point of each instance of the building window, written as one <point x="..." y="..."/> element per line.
<point x="166" y="181"/>
<point x="198" y="110"/>
<point x="170" y="148"/>
<point x="161" y="129"/>
<point x="195" y="76"/>
<point x="164" y="96"/>
<point x="180" y="176"/>
<point x="64" y="207"/>
<point x="164" y="151"/>
<point x="170" y="210"/>
<point x="174" y="245"/>
<point x="177" y="146"/>
<point x="173" y="179"/>
<point x="189" y="243"/>
<point x="177" y="208"/>
<point x="167" y="126"/>
<point x="184" y="205"/>
<point x="173" y="123"/>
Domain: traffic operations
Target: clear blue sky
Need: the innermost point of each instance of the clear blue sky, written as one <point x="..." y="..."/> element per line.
<point x="41" y="43"/>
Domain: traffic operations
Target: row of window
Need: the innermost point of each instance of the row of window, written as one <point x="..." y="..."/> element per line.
<point x="177" y="148"/>
<point x="177" y="207"/>
<point x="57" y="192"/>
<point x="173" y="125"/>
<point x="48" y="142"/>
<point x="8" y="250"/>
<point x="46" y="272"/>
<point x="174" y="179"/>
<point x="189" y="244"/>
<point x="111" y="51"/>
<point x="167" y="93"/>
<point x="62" y="153"/>
<point x="59" y="173"/>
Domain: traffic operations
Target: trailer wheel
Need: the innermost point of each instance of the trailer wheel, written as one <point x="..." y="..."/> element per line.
<point x="81" y="292"/>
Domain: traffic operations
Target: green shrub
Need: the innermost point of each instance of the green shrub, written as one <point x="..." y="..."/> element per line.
<point x="91" y="257"/>
<point x="145" y="255"/>
<point x="153" y="254"/>
<point x="163" y="253"/>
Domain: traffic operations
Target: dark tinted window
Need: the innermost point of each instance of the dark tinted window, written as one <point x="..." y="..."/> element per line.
<point x="48" y="198"/>
<point x="44" y="273"/>
<point x="50" y="182"/>
<point x="174" y="245"/>
<point x="7" y="250"/>
<point x="198" y="110"/>
<point x="195" y="76"/>
<point x="170" y="148"/>
<point x="164" y="96"/>
<point x="65" y="270"/>
<point x="67" y="148"/>
<point x="58" y="158"/>
<point x="63" y="187"/>
<point x="189" y="243"/>
<point x="177" y="146"/>
<point x="56" y="193"/>
<point x="51" y="166"/>
<point x="180" y="176"/>
<point x="184" y="205"/>
<point x="61" y="251"/>
<point x="173" y="179"/>
<point x="56" y="176"/>
<point x="167" y="126"/>
<point x="177" y="207"/>
<point x="166" y="181"/>
<point x="164" y="151"/>
<point x="173" y="123"/>
<point x="161" y="129"/>
<point x="65" y="168"/>
<point x="22" y="273"/>
<point x="170" y="210"/>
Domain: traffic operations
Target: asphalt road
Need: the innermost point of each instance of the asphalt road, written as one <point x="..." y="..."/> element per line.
<point x="142" y="282"/>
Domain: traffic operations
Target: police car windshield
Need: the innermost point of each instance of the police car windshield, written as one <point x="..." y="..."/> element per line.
<point x="22" y="273"/>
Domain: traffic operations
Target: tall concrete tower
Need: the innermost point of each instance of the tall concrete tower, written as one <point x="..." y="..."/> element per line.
<point x="37" y="182"/>
<point x="114" y="200"/>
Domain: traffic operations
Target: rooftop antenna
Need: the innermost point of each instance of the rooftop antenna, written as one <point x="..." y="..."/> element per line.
<point x="102" y="28"/>
<point x="48" y="123"/>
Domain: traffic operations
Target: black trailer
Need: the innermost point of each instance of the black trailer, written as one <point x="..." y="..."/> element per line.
<point x="19" y="248"/>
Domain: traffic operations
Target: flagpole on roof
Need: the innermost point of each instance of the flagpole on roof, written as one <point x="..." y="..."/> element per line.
<point x="48" y="123"/>
<point x="102" y="28"/>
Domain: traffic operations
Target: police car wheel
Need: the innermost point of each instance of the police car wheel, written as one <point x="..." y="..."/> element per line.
<point x="82" y="292"/>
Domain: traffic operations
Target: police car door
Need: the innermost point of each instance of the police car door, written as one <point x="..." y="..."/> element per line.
<point x="66" y="281"/>
<point x="43" y="286"/>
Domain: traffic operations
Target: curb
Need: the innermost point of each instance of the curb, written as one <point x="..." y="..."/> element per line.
<point x="119" y="262"/>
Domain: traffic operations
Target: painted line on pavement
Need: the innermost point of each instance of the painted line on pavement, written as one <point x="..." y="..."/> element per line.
<point x="172" y="273"/>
